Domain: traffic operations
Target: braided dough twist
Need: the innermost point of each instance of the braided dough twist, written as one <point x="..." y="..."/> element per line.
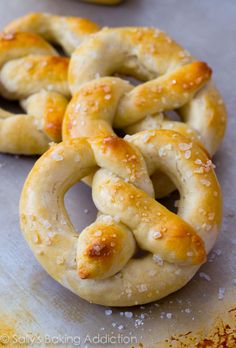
<point x="173" y="95"/>
<point x="34" y="73"/>
<point x="149" y="54"/>
<point x="146" y="54"/>
<point x="102" y="258"/>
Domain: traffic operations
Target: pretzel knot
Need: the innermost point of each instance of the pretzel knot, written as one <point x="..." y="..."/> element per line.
<point x="33" y="73"/>
<point x="137" y="251"/>
<point x="175" y="84"/>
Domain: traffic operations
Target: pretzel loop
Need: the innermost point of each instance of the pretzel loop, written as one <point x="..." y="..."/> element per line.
<point x="175" y="243"/>
<point x="68" y="32"/>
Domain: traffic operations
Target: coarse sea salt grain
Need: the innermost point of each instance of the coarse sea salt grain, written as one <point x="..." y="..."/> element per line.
<point x="187" y="154"/>
<point x="162" y="152"/>
<point x="205" y="276"/>
<point x="142" y="287"/>
<point x="138" y="322"/>
<point x="60" y="260"/>
<point x="221" y="293"/>
<point x="121" y="327"/>
<point x="108" y="312"/>
<point x="211" y="216"/>
<point x="56" y="156"/>
<point x="185" y="146"/>
<point x="129" y="315"/>
<point x="205" y="182"/>
<point x="198" y="161"/>
<point x="98" y="233"/>
<point x="157" y="259"/>
<point x="218" y="252"/>
<point x="51" y="144"/>
<point x="169" y="315"/>
<point x="106" y="218"/>
<point x="187" y="310"/>
<point x="156" y="234"/>
<point x="36" y="239"/>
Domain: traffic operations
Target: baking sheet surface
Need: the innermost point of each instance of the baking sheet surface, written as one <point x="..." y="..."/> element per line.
<point x="32" y="305"/>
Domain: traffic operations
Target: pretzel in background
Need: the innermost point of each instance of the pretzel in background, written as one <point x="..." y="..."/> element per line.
<point x="32" y="72"/>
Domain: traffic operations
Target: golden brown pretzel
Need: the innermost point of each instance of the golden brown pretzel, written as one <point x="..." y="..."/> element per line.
<point x="122" y="192"/>
<point x="34" y="73"/>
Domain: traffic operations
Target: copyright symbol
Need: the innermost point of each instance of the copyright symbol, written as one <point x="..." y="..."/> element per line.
<point x="4" y="339"/>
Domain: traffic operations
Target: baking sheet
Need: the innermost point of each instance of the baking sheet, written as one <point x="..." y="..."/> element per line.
<point x="36" y="309"/>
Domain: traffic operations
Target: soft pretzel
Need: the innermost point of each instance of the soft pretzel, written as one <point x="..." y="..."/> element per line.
<point x="32" y="72"/>
<point x="102" y="258"/>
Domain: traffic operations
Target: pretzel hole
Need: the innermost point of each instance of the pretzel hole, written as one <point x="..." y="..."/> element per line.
<point x="140" y="253"/>
<point x="173" y="115"/>
<point x="171" y="202"/>
<point x="79" y="206"/>
<point x="12" y="106"/>
<point x="135" y="81"/>
<point x="119" y="132"/>
<point x="59" y="49"/>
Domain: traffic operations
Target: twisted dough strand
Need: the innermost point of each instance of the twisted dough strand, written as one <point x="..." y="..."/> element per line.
<point x="68" y="32"/>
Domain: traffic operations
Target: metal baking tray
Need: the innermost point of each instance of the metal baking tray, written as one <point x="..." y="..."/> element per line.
<point x="34" y="309"/>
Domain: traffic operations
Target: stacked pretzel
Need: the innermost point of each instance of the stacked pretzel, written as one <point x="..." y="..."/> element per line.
<point x="136" y="251"/>
<point x="33" y="72"/>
